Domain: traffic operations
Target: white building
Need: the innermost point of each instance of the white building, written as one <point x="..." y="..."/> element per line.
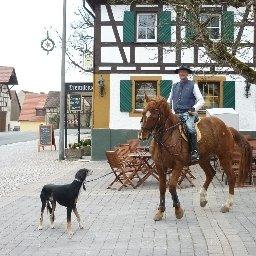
<point x="137" y="49"/>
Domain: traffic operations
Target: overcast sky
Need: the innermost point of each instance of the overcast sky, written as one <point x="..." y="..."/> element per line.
<point x="23" y="25"/>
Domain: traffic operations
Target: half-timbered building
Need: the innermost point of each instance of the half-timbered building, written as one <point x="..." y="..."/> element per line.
<point x="137" y="48"/>
<point x="7" y="80"/>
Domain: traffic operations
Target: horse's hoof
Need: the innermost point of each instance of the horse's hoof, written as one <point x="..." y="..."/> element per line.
<point x="52" y="227"/>
<point x="224" y="209"/>
<point x="159" y="216"/>
<point x="203" y="203"/>
<point x="179" y="212"/>
<point x="40" y="227"/>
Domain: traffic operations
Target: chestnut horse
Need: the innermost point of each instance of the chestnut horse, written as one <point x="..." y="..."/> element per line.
<point x="170" y="151"/>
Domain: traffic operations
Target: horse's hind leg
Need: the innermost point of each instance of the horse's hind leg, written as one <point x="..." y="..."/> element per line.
<point x="162" y="188"/>
<point x="226" y="163"/>
<point x="172" y="188"/>
<point x="209" y="173"/>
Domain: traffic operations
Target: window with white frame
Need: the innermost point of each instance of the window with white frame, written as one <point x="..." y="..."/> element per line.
<point x="213" y="25"/>
<point x="146" y="27"/>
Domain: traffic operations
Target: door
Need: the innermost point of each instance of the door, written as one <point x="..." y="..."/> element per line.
<point x="2" y="121"/>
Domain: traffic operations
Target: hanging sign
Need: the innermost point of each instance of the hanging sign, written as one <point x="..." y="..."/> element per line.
<point x="75" y="102"/>
<point x="78" y="87"/>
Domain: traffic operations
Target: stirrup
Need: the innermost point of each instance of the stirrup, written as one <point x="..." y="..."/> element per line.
<point x="194" y="157"/>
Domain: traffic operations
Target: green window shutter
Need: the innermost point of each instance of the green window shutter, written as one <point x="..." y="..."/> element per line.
<point x="165" y="88"/>
<point x="190" y="31"/>
<point x="164" y="27"/>
<point x="228" y="27"/>
<point x="229" y="94"/>
<point x="129" y="27"/>
<point x="125" y="95"/>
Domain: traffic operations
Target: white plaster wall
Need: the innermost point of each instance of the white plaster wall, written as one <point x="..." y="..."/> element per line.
<point x="248" y="34"/>
<point x="146" y="54"/>
<point x="112" y="54"/>
<point x="118" y="12"/>
<point x="169" y="54"/>
<point x="107" y="34"/>
<point x="187" y="55"/>
<point x="245" y="54"/>
<point x="246" y="107"/>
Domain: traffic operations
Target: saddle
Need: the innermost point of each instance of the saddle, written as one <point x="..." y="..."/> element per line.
<point x="183" y="132"/>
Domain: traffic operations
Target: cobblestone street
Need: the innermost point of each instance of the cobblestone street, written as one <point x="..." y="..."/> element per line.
<point x="116" y="222"/>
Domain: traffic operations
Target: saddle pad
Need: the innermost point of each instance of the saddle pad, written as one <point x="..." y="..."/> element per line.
<point x="198" y="133"/>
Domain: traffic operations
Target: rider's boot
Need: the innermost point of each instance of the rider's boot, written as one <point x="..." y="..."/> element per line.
<point x="194" y="153"/>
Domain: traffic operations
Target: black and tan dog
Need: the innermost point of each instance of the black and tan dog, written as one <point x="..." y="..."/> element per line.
<point x="65" y="195"/>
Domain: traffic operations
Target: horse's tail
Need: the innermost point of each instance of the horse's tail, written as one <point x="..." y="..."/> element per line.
<point x="246" y="155"/>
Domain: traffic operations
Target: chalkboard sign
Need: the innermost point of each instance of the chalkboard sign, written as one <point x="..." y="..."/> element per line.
<point x="75" y="102"/>
<point x="45" y="135"/>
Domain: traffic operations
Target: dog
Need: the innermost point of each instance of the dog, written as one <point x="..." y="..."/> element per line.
<point x="65" y="195"/>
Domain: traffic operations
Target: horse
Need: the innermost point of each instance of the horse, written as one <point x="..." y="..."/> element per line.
<point x="169" y="150"/>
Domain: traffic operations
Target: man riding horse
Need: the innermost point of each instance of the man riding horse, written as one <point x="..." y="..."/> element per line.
<point x="186" y="99"/>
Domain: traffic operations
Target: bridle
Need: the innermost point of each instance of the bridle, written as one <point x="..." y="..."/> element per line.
<point x="153" y="126"/>
<point x="159" y="129"/>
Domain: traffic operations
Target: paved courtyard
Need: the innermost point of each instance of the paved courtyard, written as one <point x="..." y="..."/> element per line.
<point x="116" y="222"/>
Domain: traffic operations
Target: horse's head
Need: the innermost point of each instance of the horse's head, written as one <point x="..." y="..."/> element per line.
<point x="153" y="116"/>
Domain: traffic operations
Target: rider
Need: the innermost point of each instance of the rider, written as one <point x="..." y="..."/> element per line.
<point x="186" y="99"/>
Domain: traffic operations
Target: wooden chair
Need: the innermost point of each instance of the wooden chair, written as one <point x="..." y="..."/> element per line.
<point x="124" y="171"/>
<point x="133" y="145"/>
<point x="185" y="175"/>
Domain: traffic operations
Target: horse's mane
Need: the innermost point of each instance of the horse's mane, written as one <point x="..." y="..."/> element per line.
<point x="164" y="106"/>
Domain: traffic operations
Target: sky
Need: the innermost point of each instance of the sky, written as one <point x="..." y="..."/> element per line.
<point x="23" y="25"/>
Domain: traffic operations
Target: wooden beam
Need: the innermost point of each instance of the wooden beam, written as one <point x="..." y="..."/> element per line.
<point x="114" y="27"/>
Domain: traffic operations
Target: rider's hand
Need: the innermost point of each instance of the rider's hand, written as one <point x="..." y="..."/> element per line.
<point x="192" y="111"/>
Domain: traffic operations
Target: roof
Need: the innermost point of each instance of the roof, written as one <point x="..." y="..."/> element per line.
<point x="8" y="75"/>
<point x="52" y="100"/>
<point x="31" y="103"/>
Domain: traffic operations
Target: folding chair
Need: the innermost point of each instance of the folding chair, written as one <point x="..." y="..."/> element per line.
<point x="186" y="174"/>
<point x="123" y="170"/>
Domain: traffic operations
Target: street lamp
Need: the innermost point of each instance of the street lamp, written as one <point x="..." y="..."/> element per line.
<point x="62" y="91"/>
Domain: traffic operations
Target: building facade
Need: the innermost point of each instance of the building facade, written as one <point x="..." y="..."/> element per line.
<point x="136" y="51"/>
<point x="7" y="80"/>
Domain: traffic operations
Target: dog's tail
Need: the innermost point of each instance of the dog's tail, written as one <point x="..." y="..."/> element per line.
<point x="49" y="207"/>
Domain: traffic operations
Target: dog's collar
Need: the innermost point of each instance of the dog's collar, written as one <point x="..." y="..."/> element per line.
<point x="78" y="180"/>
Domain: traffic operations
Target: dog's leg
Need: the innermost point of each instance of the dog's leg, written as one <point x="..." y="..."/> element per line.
<point x="52" y="216"/>
<point x="69" y="228"/>
<point x="40" y="227"/>
<point x="78" y="218"/>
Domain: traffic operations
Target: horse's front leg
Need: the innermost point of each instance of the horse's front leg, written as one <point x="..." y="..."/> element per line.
<point x="162" y="188"/>
<point x="172" y="188"/>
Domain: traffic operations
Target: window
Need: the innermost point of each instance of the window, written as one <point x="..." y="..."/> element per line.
<point x="142" y="87"/>
<point x="40" y="112"/>
<point x="213" y="25"/>
<point x="211" y="94"/>
<point x="146" y="27"/>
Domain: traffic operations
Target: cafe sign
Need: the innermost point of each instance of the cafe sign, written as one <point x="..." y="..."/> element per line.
<point x="78" y="87"/>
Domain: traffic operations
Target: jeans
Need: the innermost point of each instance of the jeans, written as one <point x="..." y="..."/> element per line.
<point x="189" y="120"/>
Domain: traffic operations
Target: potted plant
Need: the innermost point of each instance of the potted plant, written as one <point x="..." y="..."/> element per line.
<point x="77" y="150"/>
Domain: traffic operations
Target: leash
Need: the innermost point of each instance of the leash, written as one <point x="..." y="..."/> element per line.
<point x="99" y="177"/>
